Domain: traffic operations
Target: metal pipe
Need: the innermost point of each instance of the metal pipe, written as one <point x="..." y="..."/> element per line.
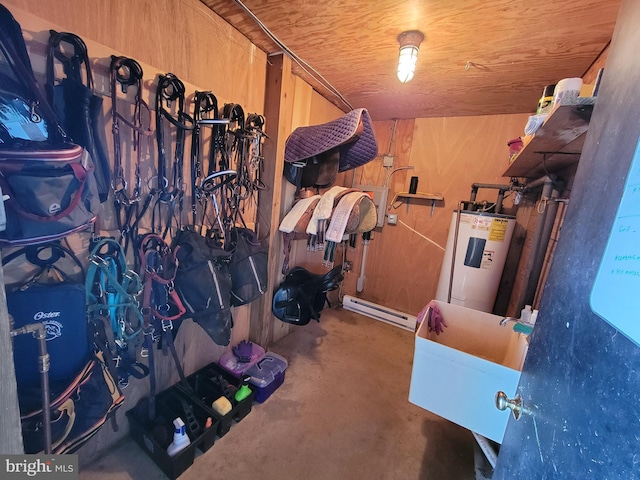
<point x="453" y="253"/>
<point x="360" y="282"/>
<point x="501" y="189"/>
<point x="40" y="333"/>
<point x="386" y="180"/>
<point x="477" y="186"/>
<point x="540" y="181"/>
<point x="540" y="240"/>
<point x="499" y="200"/>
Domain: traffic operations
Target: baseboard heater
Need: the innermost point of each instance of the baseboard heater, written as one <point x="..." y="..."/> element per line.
<point x="384" y="314"/>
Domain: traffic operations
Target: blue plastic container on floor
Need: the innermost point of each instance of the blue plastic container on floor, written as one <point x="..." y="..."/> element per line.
<point x="267" y="375"/>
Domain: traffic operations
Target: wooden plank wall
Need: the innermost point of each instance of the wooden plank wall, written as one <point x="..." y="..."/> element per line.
<point x="10" y="431"/>
<point x="206" y="53"/>
<point x="448" y="155"/>
<point x="527" y="219"/>
<point x="310" y="108"/>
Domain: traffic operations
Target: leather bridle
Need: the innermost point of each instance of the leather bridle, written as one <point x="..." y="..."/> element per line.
<point x="127" y="73"/>
<point x="170" y="90"/>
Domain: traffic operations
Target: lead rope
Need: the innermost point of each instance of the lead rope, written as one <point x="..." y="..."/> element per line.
<point x="126" y="72"/>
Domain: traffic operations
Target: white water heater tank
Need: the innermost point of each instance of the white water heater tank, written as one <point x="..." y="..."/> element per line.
<point x="480" y="254"/>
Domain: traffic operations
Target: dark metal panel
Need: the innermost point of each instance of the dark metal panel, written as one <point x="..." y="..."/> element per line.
<point x="581" y="378"/>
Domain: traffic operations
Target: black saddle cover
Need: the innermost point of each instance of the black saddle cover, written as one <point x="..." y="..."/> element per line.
<point x="302" y="294"/>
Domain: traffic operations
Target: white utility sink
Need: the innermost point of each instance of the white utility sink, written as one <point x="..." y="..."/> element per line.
<point x="457" y="374"/>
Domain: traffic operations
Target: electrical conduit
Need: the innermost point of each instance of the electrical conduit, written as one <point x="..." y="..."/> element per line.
<point x="360" y="283"/>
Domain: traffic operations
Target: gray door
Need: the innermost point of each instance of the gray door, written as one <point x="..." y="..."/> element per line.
<point x="581" y="377"/>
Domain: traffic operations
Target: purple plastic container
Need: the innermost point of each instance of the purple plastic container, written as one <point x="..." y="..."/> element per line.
<point x="231" y="364"/>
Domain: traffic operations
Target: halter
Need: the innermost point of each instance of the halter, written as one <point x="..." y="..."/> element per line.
<point x="255" y="128"/>
<point x="161" y="305"/>
<point x="159" y="266"/>
<point x="111" y="290"/>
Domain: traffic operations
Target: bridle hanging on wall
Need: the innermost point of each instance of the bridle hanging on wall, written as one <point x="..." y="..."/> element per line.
<point x="252" y="165"/>
<point x="205" y="105"/>
<point x="234" y="192"/>
<point x="170" y="90"/>
<point x="207" y="187"/>
<point x="243" y="140"/>
<point x="127" y="73"/>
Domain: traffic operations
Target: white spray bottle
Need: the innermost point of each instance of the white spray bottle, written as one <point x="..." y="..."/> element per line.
<point x="180" y="438"/>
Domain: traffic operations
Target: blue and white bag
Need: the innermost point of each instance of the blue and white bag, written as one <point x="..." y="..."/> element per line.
<point x="60" y="306"/>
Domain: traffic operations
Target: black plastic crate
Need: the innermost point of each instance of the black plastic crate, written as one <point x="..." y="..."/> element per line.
<point x="210" y="383"/>
<point x="240" y="409"/>
<point x="155" y="436"/>
<point x="193" y="414"/>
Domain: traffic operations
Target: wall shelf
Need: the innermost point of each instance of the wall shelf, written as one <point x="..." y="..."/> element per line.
<point x="423" y="196"/>
<point x="557" y="143"/>
<point x="407" y="197"/>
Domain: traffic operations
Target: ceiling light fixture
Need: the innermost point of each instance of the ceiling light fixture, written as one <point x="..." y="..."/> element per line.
<point x="409" y="47"/>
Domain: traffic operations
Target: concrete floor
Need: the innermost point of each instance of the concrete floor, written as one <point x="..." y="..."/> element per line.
<point x="342" y="413"/>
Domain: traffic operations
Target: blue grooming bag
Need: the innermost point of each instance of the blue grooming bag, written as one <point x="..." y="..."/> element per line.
<point x="61" y="307"/>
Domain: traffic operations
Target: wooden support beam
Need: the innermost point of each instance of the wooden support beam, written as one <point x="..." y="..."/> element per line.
<point x="10" y="431"/>
<point x="278" y="112"/>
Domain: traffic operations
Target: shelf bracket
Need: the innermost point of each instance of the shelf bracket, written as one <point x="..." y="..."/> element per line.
<point x="406" y="197"/>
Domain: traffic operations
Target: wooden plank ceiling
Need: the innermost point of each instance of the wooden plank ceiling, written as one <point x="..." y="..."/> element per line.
<point x="479" y="56"/>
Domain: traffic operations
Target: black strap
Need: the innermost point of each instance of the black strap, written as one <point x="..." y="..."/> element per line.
<point x="33" y="254"/>
<point x="126" y="72"/>
<point x="101" y="343"/>
<point x="72" y="62"/>
<point x="149" y="347"/>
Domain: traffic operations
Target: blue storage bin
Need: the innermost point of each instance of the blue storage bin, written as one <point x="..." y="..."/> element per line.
<point x="267" y="375"/>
